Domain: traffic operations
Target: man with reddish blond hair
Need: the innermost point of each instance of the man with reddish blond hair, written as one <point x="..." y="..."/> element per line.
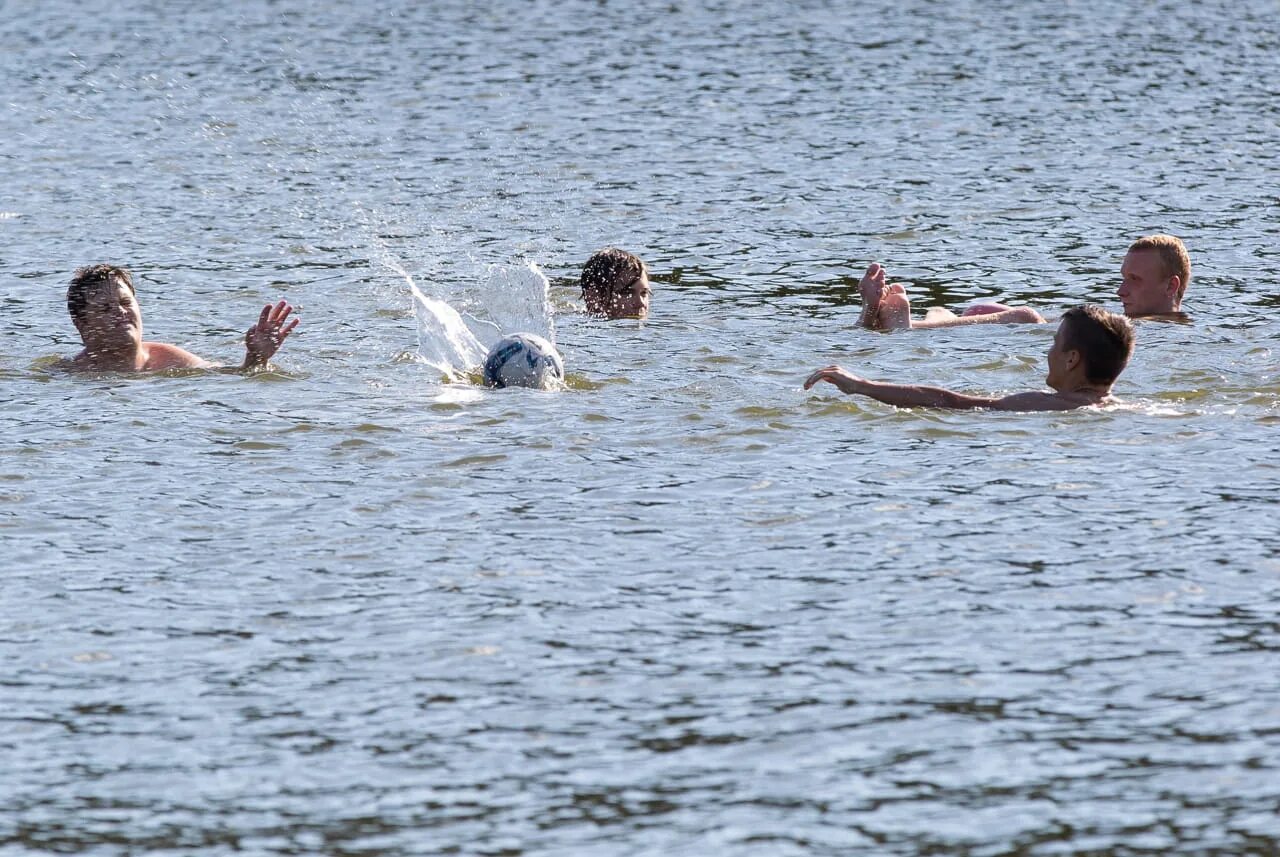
<point x="1153" y="279"/>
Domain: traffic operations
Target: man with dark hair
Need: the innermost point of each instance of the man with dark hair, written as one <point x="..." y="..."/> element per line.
<point x="615" y="284"/>
<point x="104" y="308"/>
<point x="1089" y="351"/>
<point x="1153" y="278"/>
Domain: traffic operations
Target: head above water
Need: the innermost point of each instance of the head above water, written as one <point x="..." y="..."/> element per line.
<point x="1154" y="276"/>
<point x="104" y="308"/>
<point x="89" y="278"/>
<point x="1091" y="344"/>
<point x="615" y="284"/>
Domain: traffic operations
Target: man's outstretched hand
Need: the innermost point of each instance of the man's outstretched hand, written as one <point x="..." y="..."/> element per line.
<point x="844" y="380"/>
<point x="263" y="340"/>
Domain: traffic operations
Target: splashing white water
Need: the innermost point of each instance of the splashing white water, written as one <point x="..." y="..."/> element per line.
<point x="512" y="299"/>
<point x="518" y="300"/>
<point x="445" y="342"/>
<point x="444" y="339"/>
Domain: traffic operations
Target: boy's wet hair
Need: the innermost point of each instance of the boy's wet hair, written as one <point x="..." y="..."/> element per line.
<point x="1173" y="255"/>
<point x="1104" y="340"/>
<point x="89" y="277"/>
<point x="610" y="270"/>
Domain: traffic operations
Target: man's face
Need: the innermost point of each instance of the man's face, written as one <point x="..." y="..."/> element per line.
<point x="1059" y="358"/>
<point x="633" y="300"/>
<point x="111" y="318"/>
<point x="1145" y="287"/>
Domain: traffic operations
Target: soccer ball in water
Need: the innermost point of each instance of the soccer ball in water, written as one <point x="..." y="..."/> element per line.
<point x="523" y="360"/>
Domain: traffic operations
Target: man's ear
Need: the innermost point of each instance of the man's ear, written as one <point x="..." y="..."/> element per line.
<point x="1073" y="358"/>
<point x="1175" y="284"/>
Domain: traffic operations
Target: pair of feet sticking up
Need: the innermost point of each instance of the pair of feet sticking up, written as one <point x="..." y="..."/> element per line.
<point x="886" y="307"/>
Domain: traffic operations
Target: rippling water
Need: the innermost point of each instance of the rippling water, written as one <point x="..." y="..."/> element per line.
<point x="683" y="607"/>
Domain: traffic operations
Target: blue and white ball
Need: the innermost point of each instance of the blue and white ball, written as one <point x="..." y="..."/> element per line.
<point x="524" y="360"/>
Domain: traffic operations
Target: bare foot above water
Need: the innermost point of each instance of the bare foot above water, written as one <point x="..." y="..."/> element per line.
<point x="871" y="287"/>
<point x="895" y="309"/>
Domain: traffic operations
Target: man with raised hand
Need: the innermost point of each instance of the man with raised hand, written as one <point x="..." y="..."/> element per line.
<point x="104" y="308"/>
<point x="1153" y="279"/>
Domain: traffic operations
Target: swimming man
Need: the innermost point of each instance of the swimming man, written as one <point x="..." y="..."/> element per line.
<point x="615" y="284"/>
<point x="1153" y="279"/>
<point x="1089" y="351"/>
<point x="104" y="308"/>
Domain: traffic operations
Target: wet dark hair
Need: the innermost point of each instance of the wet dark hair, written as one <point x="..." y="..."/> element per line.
<point x="1104" y="340"/>
<point x="607" y="272"/>
<point x="89" y="277"/>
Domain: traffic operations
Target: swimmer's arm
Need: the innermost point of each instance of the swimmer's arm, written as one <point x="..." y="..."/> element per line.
<point x="899" y="395"/>
<point x="1016" y="315"/>
<point x="912" y="396"/>
<point x="264" y="339"/>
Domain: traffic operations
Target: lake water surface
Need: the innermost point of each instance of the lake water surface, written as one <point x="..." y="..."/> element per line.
<point x="684" y="607"/>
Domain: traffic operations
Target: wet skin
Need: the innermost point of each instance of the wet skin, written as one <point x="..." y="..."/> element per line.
<point x="1146" y="288"/>
<point x="110" y="327"/>
<point x="632" y="301"/>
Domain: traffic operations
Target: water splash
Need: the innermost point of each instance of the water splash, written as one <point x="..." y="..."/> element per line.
<point x="518" y="300"/>
<point x="513" y="298"/>
<point x="445" y="341"/>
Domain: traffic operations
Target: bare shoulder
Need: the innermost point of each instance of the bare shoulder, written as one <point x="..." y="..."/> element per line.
<point x="162" y="355"/>
<point x="1048" y="402"/>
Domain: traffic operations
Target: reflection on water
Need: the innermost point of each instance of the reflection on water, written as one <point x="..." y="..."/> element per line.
<point x="684" y="607"/>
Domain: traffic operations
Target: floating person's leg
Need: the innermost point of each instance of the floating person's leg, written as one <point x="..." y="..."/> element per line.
<point x="985" y="309"/>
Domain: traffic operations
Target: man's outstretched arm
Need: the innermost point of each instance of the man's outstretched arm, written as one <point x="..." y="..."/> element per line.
<point x="900" y="395"/>
<point x="912" y="396"/>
